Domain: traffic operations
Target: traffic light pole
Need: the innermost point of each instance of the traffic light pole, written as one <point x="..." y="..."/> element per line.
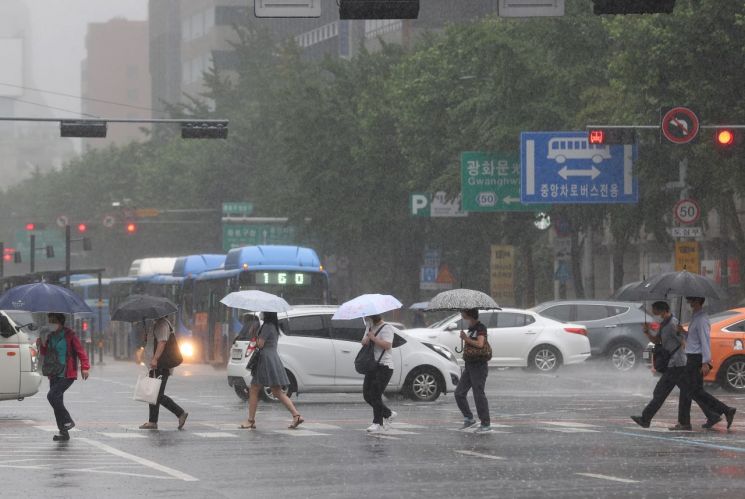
<point x="32" y="257"/>
<point x="2" y="260"/>
<point x="67" y="254"/>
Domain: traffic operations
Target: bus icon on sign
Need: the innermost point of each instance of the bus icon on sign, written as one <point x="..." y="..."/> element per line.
<point x="486" y="199"/>
<point x="561" y="149"/>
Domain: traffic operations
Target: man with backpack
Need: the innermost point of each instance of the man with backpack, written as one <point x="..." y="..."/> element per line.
<point x="164" y="358"/>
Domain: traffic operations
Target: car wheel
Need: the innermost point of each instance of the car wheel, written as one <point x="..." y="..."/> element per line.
<point x="241" y="391"/>
<point x="732" y="375"/>
<point x="266" y="392"/>
<point x="624" y="356"/>
<point x="424" y="384"/>
<point x="544" y="358"/>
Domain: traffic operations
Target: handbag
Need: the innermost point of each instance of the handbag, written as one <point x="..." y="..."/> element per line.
<point x="253" y="362"/>
<point x="662" y="357"/>
<point x="52" y="366"/>
<point x="475" y="354"/>
<point x="365" y="362"/>
<point x="171" y="356"/>
<point x="147" y="389"/>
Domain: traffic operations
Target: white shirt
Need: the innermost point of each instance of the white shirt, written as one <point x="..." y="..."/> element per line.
<point x="385" y="334"/>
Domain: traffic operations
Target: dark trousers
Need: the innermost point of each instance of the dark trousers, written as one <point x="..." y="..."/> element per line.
<point x="163" y="399"/>
<point x="672" y="377"/>
<point x="473" y="378"/>
<point x="57" y="388"/>
<point x="372" y="390"/>
<point x="711" y="405"/>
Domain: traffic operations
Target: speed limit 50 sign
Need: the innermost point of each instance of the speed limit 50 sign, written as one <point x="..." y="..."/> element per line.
<point x="687" y="211"/>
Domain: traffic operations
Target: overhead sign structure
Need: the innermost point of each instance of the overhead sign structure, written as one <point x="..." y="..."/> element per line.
<point x="237" y="235"/>
<point x="687" y="211"/>
<point x="564" y="168"/>
<point x="423" y="204"/>
<point x="491" y="182"/>
<point x="679" y="125"/>
<point x="237" y="209"/>
<point x="287" y="8"/>
<point x="687" y="257"/>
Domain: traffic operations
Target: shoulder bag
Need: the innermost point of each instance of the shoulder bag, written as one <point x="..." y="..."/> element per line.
<point x="473" y="353"/>
<point x="171" y="356"/>
<point x="365" y="362"/>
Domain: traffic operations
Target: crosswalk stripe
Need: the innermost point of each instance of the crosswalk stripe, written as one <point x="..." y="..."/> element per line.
<point x="216" y="434"/>
<point x="478" y="454"/>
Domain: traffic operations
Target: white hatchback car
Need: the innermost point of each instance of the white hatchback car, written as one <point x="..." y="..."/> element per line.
<point x="18" y="358"/>
<point x="319" y="354"/>
<point x="518" y="338"/>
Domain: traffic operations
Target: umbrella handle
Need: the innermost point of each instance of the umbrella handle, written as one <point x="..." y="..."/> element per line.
<point x="461" y="347"/>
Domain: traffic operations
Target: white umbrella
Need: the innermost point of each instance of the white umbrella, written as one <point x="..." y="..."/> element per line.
<point x="366" y="305"/>
<point x="255" y="301"/>
<point x="422" y="305"/>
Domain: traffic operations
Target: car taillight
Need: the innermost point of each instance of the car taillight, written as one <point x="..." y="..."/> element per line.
<point x="576" y="330"/>
<point x="34" y="357"/>
<point x="250" y="348"/>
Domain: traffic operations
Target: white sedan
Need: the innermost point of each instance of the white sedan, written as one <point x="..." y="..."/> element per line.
<point x="518" y="338"/>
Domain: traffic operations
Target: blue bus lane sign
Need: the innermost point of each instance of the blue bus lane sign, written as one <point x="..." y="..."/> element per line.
<point x="563" y="168"/>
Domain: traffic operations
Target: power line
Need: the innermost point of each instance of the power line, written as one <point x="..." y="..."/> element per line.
<point x="80" y="97"/>
<point x="49" y="107"/>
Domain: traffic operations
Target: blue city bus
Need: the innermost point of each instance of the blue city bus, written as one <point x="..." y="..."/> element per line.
<point x="292" y="272"/>
<point x="124" y="338"/>
<point x="87" y="289"/>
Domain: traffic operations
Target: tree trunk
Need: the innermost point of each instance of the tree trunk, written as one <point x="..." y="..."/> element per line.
<point x="734" y="223"/>
<point x="619" y="248"/>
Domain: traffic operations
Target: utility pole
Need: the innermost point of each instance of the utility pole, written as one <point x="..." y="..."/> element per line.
<point x="67" y="254"/>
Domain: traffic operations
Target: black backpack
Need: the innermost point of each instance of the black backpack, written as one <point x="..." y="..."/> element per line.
<point x="365" y="362"/>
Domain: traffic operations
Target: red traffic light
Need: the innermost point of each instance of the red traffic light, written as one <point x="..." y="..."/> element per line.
<point x="30" y="226"/>
<point x="82" y="227"/>
<point x="725" y="137"/>
<point x="8" y="257"/>
<point x="131" y="228"/>
<point x="596" y="137"/>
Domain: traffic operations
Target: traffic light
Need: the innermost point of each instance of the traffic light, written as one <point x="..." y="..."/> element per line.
<point x="611" y="136"/>
<point x="378" y="9"/>
<point x="633" y="6"/>
<point x="726" y="140"/>
<point x="83" y="128"/>
<point x="82" y="228"/>
<point x="32" y="226"/>
<point x="50" y="251"/>
<point x="204" y="130"/>
<point x="131" y="228"/>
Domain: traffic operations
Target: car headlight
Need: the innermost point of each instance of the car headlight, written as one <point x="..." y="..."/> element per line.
<point x="186" y="348"/>
<point x="442" y="351"/>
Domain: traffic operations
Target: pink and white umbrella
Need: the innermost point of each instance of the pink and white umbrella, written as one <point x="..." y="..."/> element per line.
<point x="366" y="305"/>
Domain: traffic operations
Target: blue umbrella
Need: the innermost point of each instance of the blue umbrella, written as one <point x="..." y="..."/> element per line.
<point x="42" y="297"/>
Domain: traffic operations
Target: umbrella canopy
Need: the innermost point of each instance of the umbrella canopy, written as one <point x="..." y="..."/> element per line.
<point x="365" y="306"/>
<point x="422" y="305"/>
<point x="681" y="283"/>
<point x="255" y="301"/>
<point x="43" y="297"/>
<point x="143" y="307"/>
<point x="461" y="299"/>
<point x="634" y="291"/>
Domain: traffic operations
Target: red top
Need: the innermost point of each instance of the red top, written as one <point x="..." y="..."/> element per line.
<point x="76" y="348"/>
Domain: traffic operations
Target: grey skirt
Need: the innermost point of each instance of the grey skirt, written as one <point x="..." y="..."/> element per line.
<point x="270" y="371"/>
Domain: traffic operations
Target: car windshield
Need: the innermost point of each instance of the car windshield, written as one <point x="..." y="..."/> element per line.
<point x="441" y="323"/>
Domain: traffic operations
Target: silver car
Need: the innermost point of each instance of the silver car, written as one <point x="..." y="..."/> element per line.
<point x="614" y="328"/>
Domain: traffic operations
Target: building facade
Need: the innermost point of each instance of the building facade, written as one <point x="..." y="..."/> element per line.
<point x="115" y="79"/>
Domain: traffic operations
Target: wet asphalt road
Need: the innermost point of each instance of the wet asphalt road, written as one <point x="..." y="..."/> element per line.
<point x="563" y="435"/>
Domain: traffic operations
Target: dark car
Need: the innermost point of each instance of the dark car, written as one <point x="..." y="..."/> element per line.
<point x="614" y="328"/>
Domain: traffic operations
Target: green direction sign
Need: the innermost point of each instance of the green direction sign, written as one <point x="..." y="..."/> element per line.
<point x="240" y="209"/>
<point x="491" y="182"/>
<point x="237" y="235"/>
<point x="44" y="238"/>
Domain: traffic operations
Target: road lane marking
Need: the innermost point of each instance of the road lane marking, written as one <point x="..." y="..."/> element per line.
<point x="123" y="435"/>
<point x="572" y="430"/>
<point x="478" y="454"/>
<point x="52" y="428"/>
<point x="216" y="434"/>
<point x="300" y="433"/>
<point x="570" y="424"/>
<point x="607" y="477"/>
<point x="384" y="437"/>
<point x="145" y="462"/>
<point x="678" y="440"/>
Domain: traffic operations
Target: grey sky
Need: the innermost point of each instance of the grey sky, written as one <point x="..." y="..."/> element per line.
<point x="58" y="29"/>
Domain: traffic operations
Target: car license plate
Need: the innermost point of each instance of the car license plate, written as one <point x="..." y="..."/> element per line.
<point x="645" y="355"/>
<point x="236" y="354"/>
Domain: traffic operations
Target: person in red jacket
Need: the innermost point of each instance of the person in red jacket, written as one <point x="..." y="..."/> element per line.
<point x="68" y="351"/>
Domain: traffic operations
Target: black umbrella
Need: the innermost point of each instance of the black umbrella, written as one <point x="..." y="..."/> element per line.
<point x="681" y="283"/>
<point x="142" y="307"/>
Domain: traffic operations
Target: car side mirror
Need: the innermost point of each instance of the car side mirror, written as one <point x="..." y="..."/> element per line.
<point x="451" y="327"/>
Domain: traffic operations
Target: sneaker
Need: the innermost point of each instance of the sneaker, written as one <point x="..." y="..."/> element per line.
<point x="149" y="426"/>
<point x="711" y="422"/>
<point x="640" y="421"/>
<point x="484" y="428"/>
<point x="681" y="427"/>
<point x="389" y="420"/>
<point x="467" y="423"/>
<point x="69" y="426"/>
<point x="374" y="428"/>
<point x="63" y="436"/>
<point x="182" y="420"/>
